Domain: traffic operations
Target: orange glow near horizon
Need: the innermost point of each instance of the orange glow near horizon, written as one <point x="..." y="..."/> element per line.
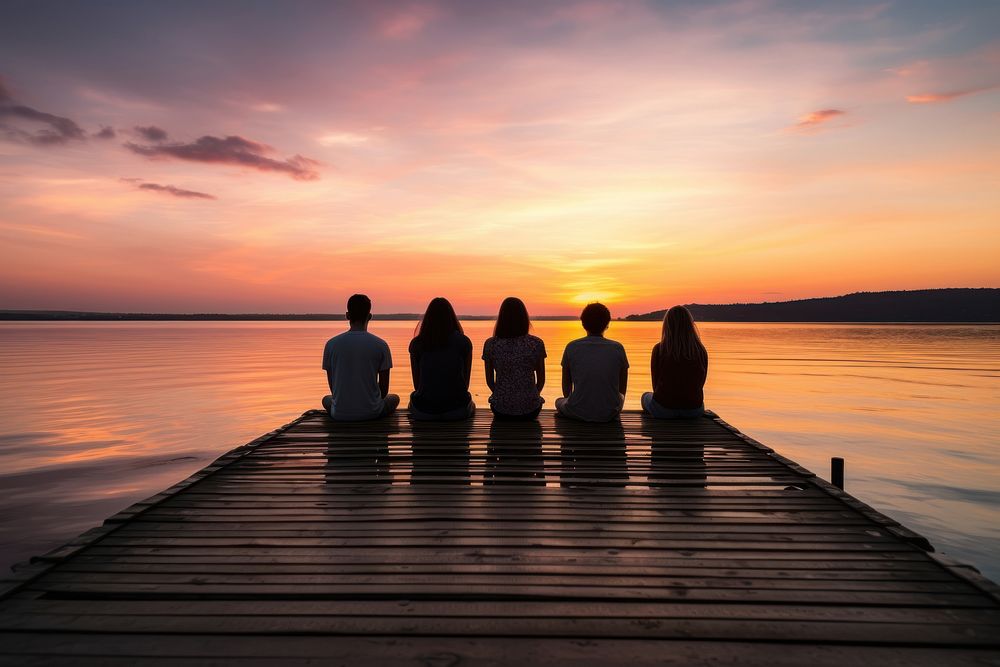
<point x="638" y="154"/>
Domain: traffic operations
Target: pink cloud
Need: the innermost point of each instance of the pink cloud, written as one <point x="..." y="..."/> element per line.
<point x="813" y="120"/>
<point x="947" y="79"/>
<point x="919" y="67"/>
<point x="25" y="121"/>
<point x="932" y="98"/>
<point x="232" y="150"/>
<point x="168" y="189"/>
<point x="151" y="133"/>
<point x="406" y="22"/>
<point x="589" y="11"/>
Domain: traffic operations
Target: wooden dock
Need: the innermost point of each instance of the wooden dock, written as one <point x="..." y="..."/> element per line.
<point x="481" y="543"/>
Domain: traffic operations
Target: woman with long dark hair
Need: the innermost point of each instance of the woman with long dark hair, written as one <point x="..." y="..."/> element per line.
<point x="441" y="362"/>
<point x="679" y="367"/>
<point x="515" y="364"/>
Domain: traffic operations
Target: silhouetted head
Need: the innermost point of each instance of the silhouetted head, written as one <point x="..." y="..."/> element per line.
<point x="595" y="318"/>
<point x="438" y="323"/>
<point x="512" y="320"/>
<point x="680" y="338"/>
<point x="359" y="309"/>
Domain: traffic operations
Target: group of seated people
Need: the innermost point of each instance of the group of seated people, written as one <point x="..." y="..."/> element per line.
<point x="594" y="368"/>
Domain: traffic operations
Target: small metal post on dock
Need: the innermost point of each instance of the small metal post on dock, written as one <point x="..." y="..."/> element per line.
<point x="837" y="472"/>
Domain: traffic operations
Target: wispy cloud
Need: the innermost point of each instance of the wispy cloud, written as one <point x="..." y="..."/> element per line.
<point x="106" y="132"/>
<point x="231" y="150"/>
<point x="343" y="139"/>
<point x="814" y="120"/>
<point x="167" y="189"/>
<point x="910" y="69"/>
<point x="406" y="21"/>
<point x="151" y="132"/>
<point x="55" y="129"/>
<point x="933" y="98"/>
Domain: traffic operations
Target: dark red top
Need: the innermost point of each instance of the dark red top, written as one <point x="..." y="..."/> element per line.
<point x="680" y="382"/>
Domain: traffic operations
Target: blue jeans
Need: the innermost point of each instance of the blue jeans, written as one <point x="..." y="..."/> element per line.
<point x="654" y="409"/>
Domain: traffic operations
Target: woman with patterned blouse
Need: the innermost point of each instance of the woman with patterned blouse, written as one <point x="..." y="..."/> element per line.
<point x="515" y="364"/>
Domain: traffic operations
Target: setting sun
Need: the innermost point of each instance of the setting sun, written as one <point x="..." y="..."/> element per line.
<point x="590" y="297"/>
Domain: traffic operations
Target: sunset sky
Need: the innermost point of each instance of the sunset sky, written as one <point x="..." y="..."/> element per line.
<point x="277" y="157"/>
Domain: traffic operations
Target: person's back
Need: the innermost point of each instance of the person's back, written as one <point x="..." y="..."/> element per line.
<point x="441" y="363"/>
<point x="680" y="381"/>
<point x="440" y="372"/>
<point x="595" y="364"/>
<point x="357" y="367"/>
<point x="514" y="364"/>
<point x="595" y="371"/>
<point x="352" y="361"/>
<point x="678" y="368"/>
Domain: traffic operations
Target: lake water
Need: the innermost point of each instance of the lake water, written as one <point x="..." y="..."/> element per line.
<point x="95" y="416"/>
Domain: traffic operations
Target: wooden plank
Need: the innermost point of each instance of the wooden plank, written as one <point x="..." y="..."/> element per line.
<point x="512" y="553"/>
<point x="507" y="609"/>
<point x="523" y="591"/>
<point x="485" y="526"/>
<point x="878" y="566"/>
<point x="593" y="541"/>
<point x="381" y="650"/>
<point x="58" y="578"/>
<point x="638" y="627"/>
<point x="917" y="572"/>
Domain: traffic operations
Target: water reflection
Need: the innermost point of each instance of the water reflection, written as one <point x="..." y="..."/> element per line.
<point x="440" y="452"/>
<point x="359" y="461"/>
<point x="674" y="460"/>
<point x="514" y="454"/>
<point x="591" y="454"/>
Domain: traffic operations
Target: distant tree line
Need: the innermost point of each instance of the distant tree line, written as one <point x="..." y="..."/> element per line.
<point x="933" y="305"/>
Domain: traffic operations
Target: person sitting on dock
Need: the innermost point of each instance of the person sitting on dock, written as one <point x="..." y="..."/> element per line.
<point x="515" y="364"/>
<point x="357" y="365"/>
<point x="595" y="371"/>
<point x="441" y="362"/>
<point x="678" y="367"/>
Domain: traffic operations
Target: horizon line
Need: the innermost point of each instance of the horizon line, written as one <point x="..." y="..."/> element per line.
<point x="409" y="315"/>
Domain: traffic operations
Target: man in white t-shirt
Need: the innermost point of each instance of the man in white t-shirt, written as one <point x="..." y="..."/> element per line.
<point x="595" y="371"/>
<point x="357" y="366"/>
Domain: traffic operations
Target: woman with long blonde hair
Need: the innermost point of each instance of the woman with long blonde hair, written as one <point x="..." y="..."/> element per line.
<point x="679" y="367"/>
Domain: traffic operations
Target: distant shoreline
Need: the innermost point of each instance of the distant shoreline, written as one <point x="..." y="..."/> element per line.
<point x="168" y="317"/>
<point x="979" y="305"/>
<point x="946" y="306"/>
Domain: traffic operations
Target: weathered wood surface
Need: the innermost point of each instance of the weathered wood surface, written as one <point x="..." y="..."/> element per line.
<point x="392" y="542"/>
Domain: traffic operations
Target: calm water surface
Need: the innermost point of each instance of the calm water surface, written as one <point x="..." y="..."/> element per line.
<point x="95" y="416"/>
